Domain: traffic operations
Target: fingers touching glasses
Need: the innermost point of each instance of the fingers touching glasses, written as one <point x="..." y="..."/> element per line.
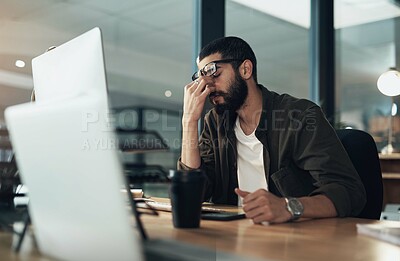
<point x="210" y="68"/>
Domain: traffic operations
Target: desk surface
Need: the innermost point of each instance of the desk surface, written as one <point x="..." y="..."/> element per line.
<point x="323" y="239"/>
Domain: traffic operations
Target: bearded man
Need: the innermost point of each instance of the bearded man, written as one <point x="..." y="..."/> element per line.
<point x="274" y="154"/>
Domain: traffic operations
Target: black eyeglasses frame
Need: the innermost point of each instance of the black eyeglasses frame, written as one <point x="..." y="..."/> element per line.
<point x="201" y="72"/>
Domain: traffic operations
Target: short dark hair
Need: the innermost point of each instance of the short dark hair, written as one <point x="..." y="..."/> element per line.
<point x="231" y="47"/>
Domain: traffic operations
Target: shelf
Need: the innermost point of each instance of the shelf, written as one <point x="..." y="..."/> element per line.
<point x="391" y="175"/>
<point x="393" y="156"/>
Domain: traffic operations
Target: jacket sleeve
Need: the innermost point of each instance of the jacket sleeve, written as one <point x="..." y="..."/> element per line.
<point x="207" y="160"/>
<point x="317" y="149"/>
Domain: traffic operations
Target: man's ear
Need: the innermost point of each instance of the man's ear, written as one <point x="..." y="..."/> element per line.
<point x="246" y="69"/>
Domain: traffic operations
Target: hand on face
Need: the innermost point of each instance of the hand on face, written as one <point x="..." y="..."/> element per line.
<point x="195" y="96"/>
<point x="261" y="206"/>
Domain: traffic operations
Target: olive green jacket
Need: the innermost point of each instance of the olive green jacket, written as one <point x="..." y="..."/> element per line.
<point x="302" y="155"/>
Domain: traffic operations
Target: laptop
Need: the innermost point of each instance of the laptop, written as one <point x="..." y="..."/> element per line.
<point x="74" y="177"/>
<point x="73" y="68"/>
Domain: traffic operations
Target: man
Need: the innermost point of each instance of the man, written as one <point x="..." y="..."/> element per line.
<point x="277" y="153"/>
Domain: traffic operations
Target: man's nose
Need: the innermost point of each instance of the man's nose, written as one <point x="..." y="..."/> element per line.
<point x="209" y="80"/>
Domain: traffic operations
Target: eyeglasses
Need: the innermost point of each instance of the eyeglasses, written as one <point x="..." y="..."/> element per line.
<point x="211" y="68"/>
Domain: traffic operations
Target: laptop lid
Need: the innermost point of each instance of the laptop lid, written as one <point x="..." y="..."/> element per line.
<point x="73" y="68"/>
<point x="68" y="159"/>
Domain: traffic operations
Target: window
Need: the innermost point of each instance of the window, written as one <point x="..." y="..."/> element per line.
<point x="279" y="39"/>
<point x="365" y="48"/>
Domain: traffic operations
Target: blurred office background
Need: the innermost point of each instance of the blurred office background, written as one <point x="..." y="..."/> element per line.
<point x="150" y="50"/>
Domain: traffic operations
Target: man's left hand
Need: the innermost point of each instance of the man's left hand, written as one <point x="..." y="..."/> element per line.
<point x="262" y="206"/>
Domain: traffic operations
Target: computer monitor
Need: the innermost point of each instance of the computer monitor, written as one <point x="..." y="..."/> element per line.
<point x="71" y="69"/>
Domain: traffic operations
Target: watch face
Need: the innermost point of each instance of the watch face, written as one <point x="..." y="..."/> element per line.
<point x="296" y="206"/>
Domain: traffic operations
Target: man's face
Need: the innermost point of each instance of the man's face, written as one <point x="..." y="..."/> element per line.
<point x="230" y="89"/>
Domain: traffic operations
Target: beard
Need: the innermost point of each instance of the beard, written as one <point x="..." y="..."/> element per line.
<point x="234" y="98"/>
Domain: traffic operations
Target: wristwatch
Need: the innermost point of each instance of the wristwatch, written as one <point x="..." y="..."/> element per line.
<point x="295" y="208"/>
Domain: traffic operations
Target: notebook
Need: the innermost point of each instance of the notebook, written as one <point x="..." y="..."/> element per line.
<point x="389" y="232"/>
<point x="208" y="212"/>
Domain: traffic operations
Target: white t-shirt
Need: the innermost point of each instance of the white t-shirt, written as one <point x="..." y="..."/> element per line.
<point x="250" y="161"/>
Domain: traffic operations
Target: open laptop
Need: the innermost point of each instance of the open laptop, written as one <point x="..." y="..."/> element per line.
<point x="71" y="69"/>
<point x="74" y="176"/>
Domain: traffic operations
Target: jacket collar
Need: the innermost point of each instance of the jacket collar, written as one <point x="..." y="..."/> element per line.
<point x="229" y="119"/>
<point x="266" y="114"/>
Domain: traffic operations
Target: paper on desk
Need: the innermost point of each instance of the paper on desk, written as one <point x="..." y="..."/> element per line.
<point x="136" y="193"/>
<point x="389" y="232"/>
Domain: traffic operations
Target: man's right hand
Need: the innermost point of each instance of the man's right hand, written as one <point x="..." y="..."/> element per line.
<point x="194" y="99"/>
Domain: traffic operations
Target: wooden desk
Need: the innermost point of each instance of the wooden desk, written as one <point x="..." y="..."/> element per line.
<point x="324" y="239"/>
<point x="390" y="166"/>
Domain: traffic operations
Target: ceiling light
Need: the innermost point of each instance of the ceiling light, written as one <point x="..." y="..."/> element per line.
<point x="389" y="82"/>
<point x="168" y="93"/>
<point x="20" y="63"/>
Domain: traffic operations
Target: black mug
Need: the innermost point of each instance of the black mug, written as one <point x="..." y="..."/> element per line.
<point x="187" y="194"/>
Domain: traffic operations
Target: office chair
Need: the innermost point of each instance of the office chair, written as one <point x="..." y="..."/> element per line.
<point x="361" y="148"/>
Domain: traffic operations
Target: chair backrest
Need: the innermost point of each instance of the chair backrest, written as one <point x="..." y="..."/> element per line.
<point x="361" y="148"/>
